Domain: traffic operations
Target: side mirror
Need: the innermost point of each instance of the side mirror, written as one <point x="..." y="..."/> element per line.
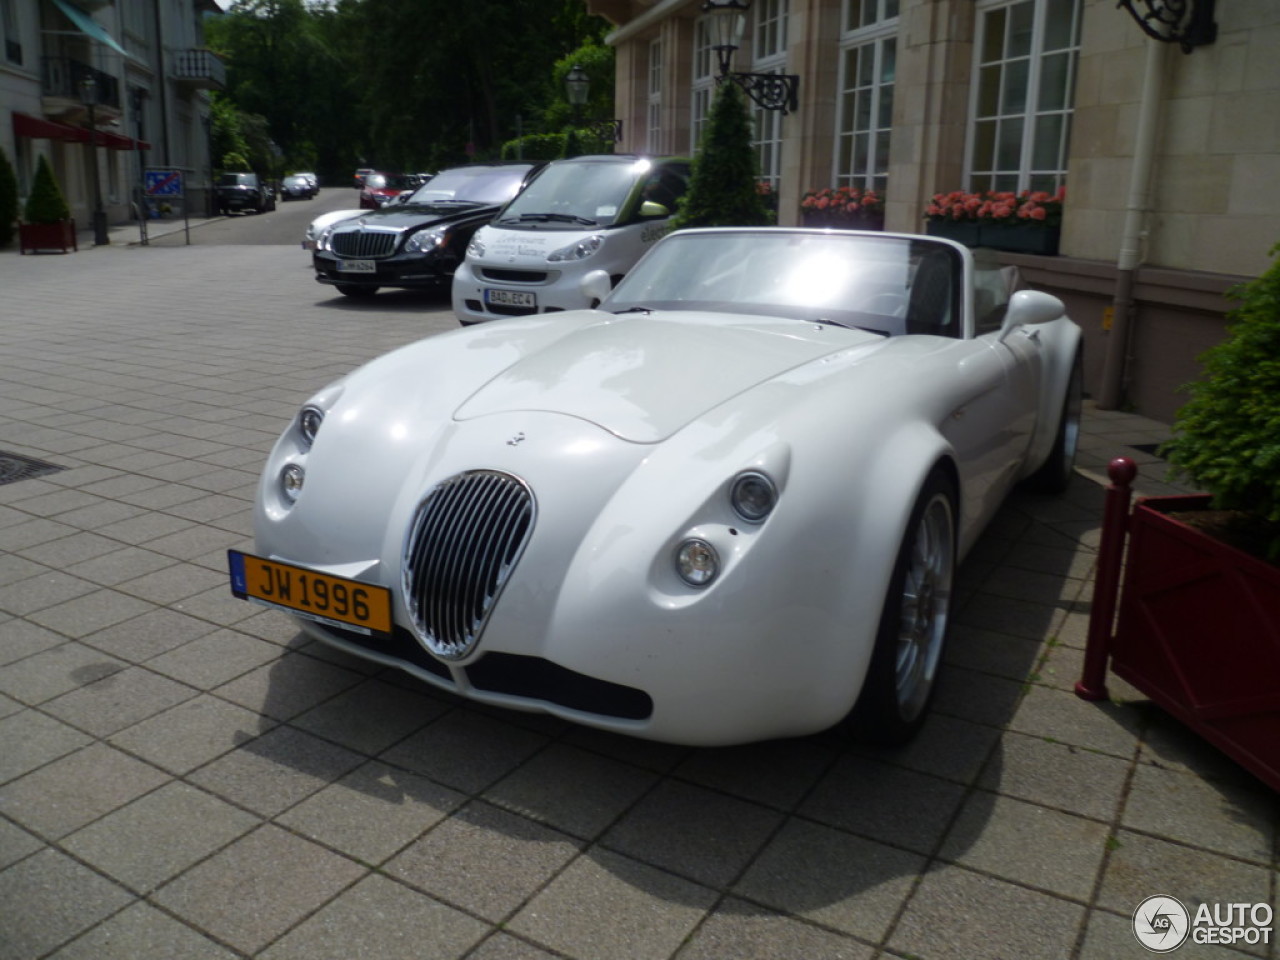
<point x="595" y="286"/>
<point x="652" y="210"/>
<point x="1030" y="307"/>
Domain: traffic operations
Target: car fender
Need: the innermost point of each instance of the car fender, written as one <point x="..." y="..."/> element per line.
<point x="1061" y="339"/>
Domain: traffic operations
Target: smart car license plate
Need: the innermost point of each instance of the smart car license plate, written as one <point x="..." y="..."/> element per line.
<point x="364" y="607"/>
<point x="357" y="266"/>
<point x="510" y="298"/>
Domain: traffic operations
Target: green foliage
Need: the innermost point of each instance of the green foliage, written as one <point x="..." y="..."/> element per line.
<point x="538" y="146"/>
<point x="596" y="61"/>
<point x="8" y="201"/>
<point x="722" y="188"/>
<point x="1227" y="435"/>
<point x="46" y="203"/>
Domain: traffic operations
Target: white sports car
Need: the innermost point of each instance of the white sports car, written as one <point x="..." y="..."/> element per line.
<point x="726" y="505"/>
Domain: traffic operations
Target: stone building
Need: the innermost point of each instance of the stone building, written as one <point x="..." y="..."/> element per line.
<point x="106" y="89"/>
<point x="1168" y="157"/>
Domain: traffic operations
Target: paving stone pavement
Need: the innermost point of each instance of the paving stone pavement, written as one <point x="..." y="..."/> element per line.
<point x="184" y="775"/>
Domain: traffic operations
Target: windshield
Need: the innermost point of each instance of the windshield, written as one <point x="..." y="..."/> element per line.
<point x="586" y="193"/>
<point x="236" y="179"/>
<point x="479" y="184"/>
<point x="888" y="285"/>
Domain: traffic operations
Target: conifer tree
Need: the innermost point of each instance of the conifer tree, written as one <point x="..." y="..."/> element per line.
<point x="46" y="203"/>
<point x="8" y="200"/>
<point x="722" y="189"/>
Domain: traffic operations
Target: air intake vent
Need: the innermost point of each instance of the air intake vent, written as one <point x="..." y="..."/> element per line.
<point x="363" y="243"/>
<point x="463" y="545"/>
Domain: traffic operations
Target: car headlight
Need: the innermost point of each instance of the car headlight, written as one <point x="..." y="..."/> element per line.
<point x="309" y="420"/>
<point x="291" y="480"/>
<point x="322" y="241"/>
<point x="476" y="247"/>
<point x="697" y="562"/>
<point x="753" y="496"/>
<point x="579" y="250"/>
<point x="426" y="240"/>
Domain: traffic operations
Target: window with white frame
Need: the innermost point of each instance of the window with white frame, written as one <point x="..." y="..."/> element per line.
<point x="653" y="132"/>
<point x="702" y="85"/>
<point x="9" y="32"/>
<point x="868" y="65"/>
<point x="769" y="55"/>
<point x="1024" y="78"/>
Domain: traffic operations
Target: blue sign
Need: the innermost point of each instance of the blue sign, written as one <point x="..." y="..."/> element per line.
<point x="164" y="183"/>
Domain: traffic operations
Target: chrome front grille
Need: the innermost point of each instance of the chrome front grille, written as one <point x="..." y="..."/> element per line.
<point x="363" y="243"/>
<point x="465" y="541"/>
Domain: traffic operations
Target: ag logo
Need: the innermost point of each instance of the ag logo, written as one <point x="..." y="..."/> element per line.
<point x="1161" y="924"/>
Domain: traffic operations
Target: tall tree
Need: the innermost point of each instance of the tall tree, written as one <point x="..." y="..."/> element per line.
<point x="722" y="187"/>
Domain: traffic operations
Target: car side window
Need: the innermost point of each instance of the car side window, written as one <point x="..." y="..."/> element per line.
<point x="666" y="185"/>
<point x="933" y="296"/>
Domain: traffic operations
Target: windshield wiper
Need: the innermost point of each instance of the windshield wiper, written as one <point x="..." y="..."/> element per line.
<point x="543" y="217"/>
<point x="635" y="309"/>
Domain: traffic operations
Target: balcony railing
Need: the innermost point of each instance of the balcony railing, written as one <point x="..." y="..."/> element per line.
<point x="200" y="68"/>
<point x="64" y="77"/>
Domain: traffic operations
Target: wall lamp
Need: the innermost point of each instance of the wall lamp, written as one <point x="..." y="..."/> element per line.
<point x="1188" y="23"/>
<point x="726" y="24"/>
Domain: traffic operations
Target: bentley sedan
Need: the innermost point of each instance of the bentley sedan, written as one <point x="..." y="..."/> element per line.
<point x="726" y="505"/>
<point x="419" y="240"/>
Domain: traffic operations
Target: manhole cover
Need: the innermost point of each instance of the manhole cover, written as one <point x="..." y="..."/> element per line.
<point x="15" y="467"/>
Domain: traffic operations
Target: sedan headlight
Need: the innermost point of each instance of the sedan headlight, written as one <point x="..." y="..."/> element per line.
<point x="322" y="241"/>
<point x="579" y="250"/>
<point x="753" y="496"/>
<point x="425" y="241"/>
<point x="697" y="562"/>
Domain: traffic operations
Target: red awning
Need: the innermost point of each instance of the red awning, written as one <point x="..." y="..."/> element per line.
<point x="117" y="141"/>
<point x="38" y="128"/>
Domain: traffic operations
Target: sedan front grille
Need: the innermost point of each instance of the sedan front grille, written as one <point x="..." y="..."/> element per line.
<point x="363" y="243"/>
<point x="465" y="541"/>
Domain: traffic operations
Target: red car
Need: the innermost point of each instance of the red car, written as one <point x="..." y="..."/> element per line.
<point x="382" y="188"/>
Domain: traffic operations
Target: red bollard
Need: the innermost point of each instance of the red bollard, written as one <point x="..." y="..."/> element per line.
<point x="1106" y="587"/>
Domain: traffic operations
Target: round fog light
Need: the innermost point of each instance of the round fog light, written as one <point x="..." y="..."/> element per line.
<point x="753" y="496"/>
<point x="291" y="478"/>
<point x="697" y="563"/>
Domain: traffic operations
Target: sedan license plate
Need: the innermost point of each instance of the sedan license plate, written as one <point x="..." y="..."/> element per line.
<point x="338" y="601"/>
<point x="510" y="298"/>
<point x="357" y="266"/>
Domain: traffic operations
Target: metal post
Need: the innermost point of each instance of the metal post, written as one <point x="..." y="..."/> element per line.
<point x="100" y="235"/>
<point x="1106" y="586"/>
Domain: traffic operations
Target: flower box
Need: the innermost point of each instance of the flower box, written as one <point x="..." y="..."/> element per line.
<point x="1197" y="630"/>
<point x="834" y="221"/>
<point x="60" y="236"/>
<point x="1014" y="237"/>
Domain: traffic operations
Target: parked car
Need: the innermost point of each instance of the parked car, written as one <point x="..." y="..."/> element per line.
<point x="578" y="218"/>
<point x="726" y="505"/>
<point x="297" y="186"/>
<point x="381" y="188"/>
<point x="322" y="223"/>
<point x="235" y="192"/>
<point x="315" y="181"/>
<point x="420" y="242"/>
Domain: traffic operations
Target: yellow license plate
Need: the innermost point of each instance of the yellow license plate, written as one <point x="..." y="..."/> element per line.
<point x="365" y="607"/>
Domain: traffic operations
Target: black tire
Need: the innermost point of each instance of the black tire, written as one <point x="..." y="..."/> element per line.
<point x="914" y="622"/>
<point x="1054" y="475"/>
<point x="355" y="290"/>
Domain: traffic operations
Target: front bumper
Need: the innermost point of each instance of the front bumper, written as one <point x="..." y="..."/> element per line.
<point x="402" y="270"/>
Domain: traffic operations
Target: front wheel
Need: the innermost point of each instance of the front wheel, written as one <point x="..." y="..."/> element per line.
<point x="913" y="622"/>
<point x="355" y="290"/>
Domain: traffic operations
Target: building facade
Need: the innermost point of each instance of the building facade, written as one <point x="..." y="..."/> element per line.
<point x="1167" y="157"/>
<point x="108" y="89"/>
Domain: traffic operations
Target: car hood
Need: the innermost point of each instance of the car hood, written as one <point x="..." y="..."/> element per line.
<point x="417" y="215"/>
<point x="642" y="379"/>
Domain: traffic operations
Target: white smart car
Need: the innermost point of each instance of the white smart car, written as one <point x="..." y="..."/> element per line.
<point x="578" y="222"/>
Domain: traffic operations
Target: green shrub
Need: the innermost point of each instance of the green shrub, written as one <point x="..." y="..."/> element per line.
<point x="535" y="147"/>
<point x="1226" y="437"/>
<point x="722" y="187"/>
<point x="8" y="201"/>
<point x="46" y="203"/>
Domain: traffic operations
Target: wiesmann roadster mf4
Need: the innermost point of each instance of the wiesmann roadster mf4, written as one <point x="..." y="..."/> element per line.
<point x="726" y="505"/>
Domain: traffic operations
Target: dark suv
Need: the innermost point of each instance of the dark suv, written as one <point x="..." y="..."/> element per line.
<point x="243" y="191"/>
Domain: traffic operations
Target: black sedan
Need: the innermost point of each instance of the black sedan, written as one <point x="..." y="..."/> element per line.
<point x="420" y="241"/>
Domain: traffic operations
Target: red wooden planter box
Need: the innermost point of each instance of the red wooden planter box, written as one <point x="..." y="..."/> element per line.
<point x="47" y="236"/>
<point x="1198" y="631"/>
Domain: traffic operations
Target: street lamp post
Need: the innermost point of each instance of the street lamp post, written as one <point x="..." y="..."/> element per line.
<point x="576" y="87"/>
<point x="770" y="91"/>
<point x="89" y="88"/>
